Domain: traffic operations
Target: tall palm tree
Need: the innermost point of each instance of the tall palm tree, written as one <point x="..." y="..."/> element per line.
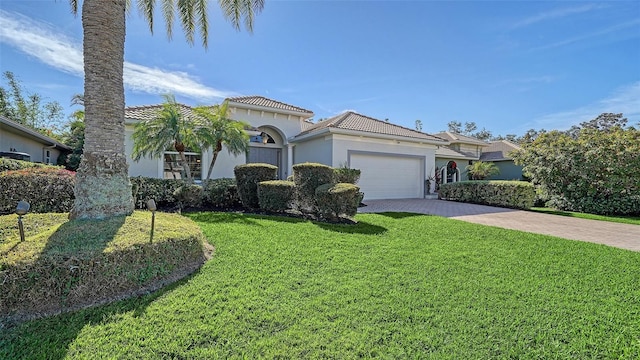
<point x="169" y="128"/>
<point x="102" y="182"/>
<point x="217" y="129"/>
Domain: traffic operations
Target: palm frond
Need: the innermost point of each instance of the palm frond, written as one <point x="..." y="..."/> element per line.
<point x="74" y="6"/>
<point x="168" y="12"/>
<point x="185" y="11"/>
<point x="146" y="7"/>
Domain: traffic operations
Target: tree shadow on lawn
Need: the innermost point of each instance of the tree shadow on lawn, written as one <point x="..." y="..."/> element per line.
<point x="361" y="227"/>
<point x="400" y="215"/>
<point x="223" y="217"/>
<point x="60" y="331"/>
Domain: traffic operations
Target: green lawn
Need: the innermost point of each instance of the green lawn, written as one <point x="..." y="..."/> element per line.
<point x="394" y="286"/>
<point x="634" y="220"/>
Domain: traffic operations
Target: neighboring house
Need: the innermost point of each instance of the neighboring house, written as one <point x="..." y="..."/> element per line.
<point x="499" y="152"/>
<point x="395" y="161"/>
<point x="462" y="149"/>
<point x="21" y="142"/>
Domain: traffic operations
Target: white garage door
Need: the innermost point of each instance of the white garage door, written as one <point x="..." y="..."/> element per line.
<point x="389" y="177"/>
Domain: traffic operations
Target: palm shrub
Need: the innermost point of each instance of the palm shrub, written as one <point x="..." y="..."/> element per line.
<point x="480" y="170"/>
<point x="46" y="189"/>
<point x="336" y="200"/>
<point x="307" y="177"/>
<point x="276" y="195"/>
<point x="221" y="193"/>
<point x="247" y="178"/>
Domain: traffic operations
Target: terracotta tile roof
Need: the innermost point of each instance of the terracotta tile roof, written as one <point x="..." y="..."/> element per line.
<point x="498" y="150"/>
<point x="269" y="103"/>
<point x="148" y="112"/>
<point x="357" y="122"/>
<point x="459" y="138"/>
<point x="445" y="152"/>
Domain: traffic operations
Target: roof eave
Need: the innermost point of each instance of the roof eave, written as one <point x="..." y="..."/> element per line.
<point x="332" y="130"/>
<point x="241" y="105"/>
<point x="35" y="134"/>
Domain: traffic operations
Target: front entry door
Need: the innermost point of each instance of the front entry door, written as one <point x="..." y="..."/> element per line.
<point x="265" y="155"/>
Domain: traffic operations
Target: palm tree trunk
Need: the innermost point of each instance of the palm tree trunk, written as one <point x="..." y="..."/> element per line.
<point x="185" y="166"/>
<point x="102" y="186"/>
<point x="216" y="151"/>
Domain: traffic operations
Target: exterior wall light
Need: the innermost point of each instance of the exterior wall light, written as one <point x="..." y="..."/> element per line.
<point x="21" y="209"/>
<point x="151" y="205"/>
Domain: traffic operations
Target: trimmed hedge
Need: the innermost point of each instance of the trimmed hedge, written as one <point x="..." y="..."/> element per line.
<point x="247" y="178"/>
<point x="221" y="193"/>
<point x="276" y="195"/>
<point x="511" y="194"/>
<point x="336" y="200"/>
<point x="46" y="189"/>
<point x="189" y="195"/>
<point x="12" y="164"/>
<point x="307" y="177"/>
<point x="161" y="190"/>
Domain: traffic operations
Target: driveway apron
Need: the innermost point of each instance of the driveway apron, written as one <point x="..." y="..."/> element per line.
<point x="624" y="236"/>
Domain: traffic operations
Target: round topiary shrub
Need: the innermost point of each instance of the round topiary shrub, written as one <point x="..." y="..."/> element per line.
<point x="276" y="195"/>
<point x="336" y="200"/>
<point x="307" y="177"/>
<point x="247" y="178"/>
<point x="347" y="175"/>
<point x="47" y="189"/>
<point x="221" y="193"/>
<point x="190" y="195"/>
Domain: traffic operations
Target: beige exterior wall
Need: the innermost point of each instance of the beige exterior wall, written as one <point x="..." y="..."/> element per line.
<point x="318" y="150"/>
<point x="37" y="150"/>
<point x="146" y="167"/>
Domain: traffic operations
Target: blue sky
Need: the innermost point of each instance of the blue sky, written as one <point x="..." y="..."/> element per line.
<point x="508" y="66"/>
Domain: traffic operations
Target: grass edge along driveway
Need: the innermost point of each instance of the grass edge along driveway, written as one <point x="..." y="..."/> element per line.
<point x="394" y="286"/>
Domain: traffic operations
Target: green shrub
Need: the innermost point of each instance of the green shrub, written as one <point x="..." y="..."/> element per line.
<point x="276" y="195"/>
<point x="12" y="164"/>
<point x="336" y="200"/>
<point x="247" y="178"/>
<point x="47" y="189"/>
<point x="221" y="193"/>
<point x="160" y="190"/>
<point x="346" y="175"/>
<point x="307" y="177"/>
<point x="511" y="194"/>
<point x="189" y="196"/>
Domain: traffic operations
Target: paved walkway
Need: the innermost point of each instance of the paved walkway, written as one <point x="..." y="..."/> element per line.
<point x="625" y="236"/>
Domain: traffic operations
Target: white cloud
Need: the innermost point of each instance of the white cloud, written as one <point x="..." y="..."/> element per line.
<point x="598" y="33"/>
<point x="555" y="14"/>
<point x="41" y="41"/>
<point x="624" y="100"/>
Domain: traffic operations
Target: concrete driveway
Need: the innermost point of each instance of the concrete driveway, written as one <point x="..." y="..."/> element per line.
<point x="624" y="236"/>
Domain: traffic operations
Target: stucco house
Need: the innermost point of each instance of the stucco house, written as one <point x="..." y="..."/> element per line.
<point x="464" y="150"/>
<point x="499" y="152"/>
<point x="21" y="142"/>
<point x="394" y="160"/>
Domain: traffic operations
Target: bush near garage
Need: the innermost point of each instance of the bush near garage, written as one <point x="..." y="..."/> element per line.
<point x="221" y="193"/>
<point x="247" y="178"/>
<point x="307" y="177"/>
<point x="344" y="174"/>
<point x="337" y="200"/>
<point x="276" y="195"/>
<point x="46" y="189"/>
<point x="511" y="194"/>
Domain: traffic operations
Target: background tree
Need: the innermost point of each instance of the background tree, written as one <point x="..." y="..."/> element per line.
<point x="481" y="170"/>
<point x="455" y="127"/>
<point x="215" y="129"/>
<point x="102" y="183"/>
<point x="29" y="109"/>
<point x="168" y="129"/>
<point x="594" y="169"/>
<point x="74" y="136"/>
<point x="419" y="125"/>
<point x="469" y="130"/>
